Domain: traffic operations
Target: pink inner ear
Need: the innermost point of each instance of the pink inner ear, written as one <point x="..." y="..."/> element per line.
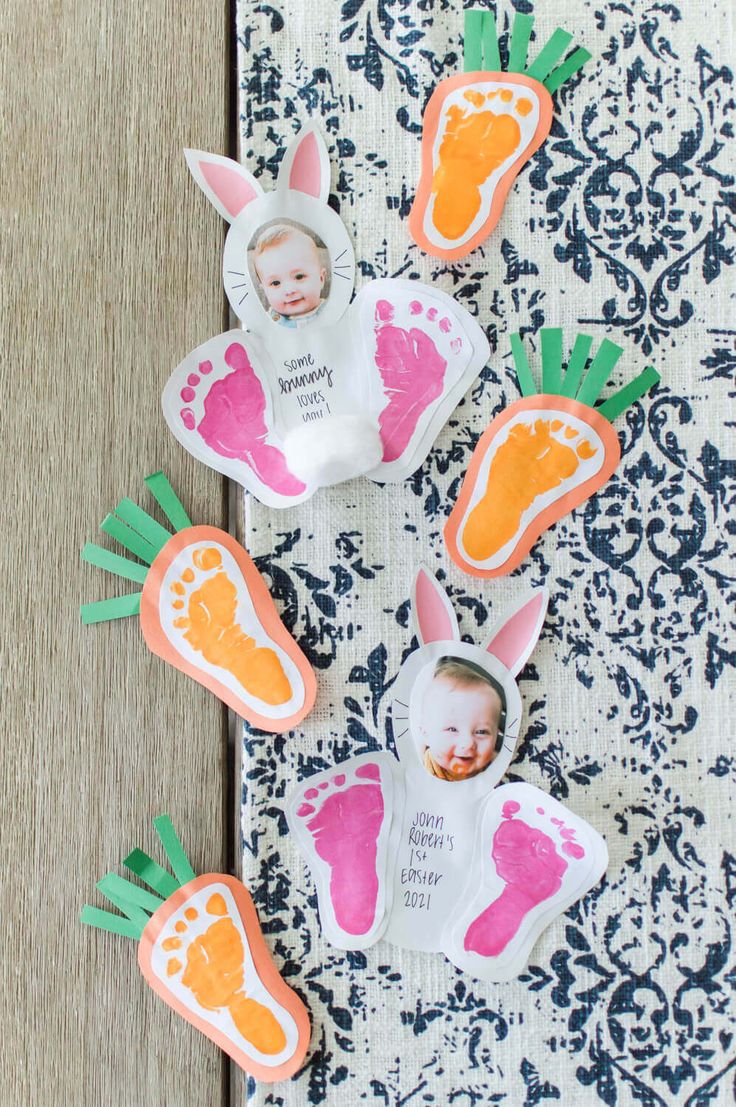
<point x="305" y="174"/>
<point x="518" y="634"/>
<point x="232" y="190"/>
<point x="432" y="615"/>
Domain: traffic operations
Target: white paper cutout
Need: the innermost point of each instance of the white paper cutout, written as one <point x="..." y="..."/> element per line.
<point x="344" y="824"/>
<point x="394" y="363"/>
<point x="461" y="867"/>
<point x="535" y="858"/>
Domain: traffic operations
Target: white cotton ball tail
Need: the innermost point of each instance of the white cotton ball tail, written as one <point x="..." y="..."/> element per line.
<point x="333" y="449"/>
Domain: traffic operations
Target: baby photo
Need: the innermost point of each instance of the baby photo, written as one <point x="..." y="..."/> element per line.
<point x="290" y="268"/>
<point x="460" y="720"/>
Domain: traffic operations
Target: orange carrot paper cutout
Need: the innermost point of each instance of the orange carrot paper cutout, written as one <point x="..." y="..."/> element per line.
<point x="201" y="949"/>
<point x="540" y="457"/>
<point x="480" y="128"/>
<point x="205" y="609"/>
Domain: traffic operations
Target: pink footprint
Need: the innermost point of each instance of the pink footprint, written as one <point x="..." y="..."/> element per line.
<point x="345" y="831"/>
<point x="527" y="860"/>
<point x="233" y="424"/>
<point x="413" y="373"/>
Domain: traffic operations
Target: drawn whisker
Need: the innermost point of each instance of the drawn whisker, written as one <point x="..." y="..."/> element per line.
<point x="242" y="298"/>
<point x="343" y="275"/>
<point x="404" y="731"/>
<point x="243" y="285"/>
<point x="340" y="254"/>
<point x="406" y="705"/>
<point x="235" y="273"/>
<point x="342" y="267"/>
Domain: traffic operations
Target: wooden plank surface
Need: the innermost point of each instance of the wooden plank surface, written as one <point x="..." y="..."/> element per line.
<point x="111" y="275"/>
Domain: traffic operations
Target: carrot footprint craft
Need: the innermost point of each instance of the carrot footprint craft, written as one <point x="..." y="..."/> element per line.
<point x="205" y="609"/>
<point x="425" y="851"/>
<point x="202" y="951"/>
<point x="480" y="128"/>
<point x="312" y="389"/>
<point x="542" y="456"/>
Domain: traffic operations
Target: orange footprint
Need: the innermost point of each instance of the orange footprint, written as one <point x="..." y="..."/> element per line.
<point x="554" y="454"/>
<point x="480" y="127"/>
<point x="529" y="463"/>
<point x="206" y="610"/>
<point x="210" y="627"/>
<point x="477" y="135"/>
<point x="476" y="142"/>
<point x="541" y="457"/>
<point x="215" y="974"/>
<point x="201" y="949"/>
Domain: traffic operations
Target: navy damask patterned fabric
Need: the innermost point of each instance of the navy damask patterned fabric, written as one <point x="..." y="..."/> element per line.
<point x="621" y="225"/>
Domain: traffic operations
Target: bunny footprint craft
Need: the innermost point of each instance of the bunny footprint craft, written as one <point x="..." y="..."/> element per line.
<point x="205" y="609"/>
<point x="425" y="851"/>
<point x="314" y="390"/>
<point x="480" y="128"/>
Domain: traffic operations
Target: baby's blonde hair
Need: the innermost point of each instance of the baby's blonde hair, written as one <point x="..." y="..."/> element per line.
<point x="278" y="233"/>
<point x="460" y="671"/>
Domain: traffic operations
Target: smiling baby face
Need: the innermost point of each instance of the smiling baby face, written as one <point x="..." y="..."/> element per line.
<point x="288" y="265"/>
<point x="460" y="722"/>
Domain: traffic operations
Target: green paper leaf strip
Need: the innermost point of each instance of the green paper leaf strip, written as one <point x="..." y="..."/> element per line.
<point x="200" y="591"/>
<point x="151" y="873"/>
<point x="542" y="456"/>
<point x="202" y="951"/>
<point x="480" y="128"/>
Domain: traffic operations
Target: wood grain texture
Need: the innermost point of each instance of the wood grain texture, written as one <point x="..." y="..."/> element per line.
<point x="111" y="261"/>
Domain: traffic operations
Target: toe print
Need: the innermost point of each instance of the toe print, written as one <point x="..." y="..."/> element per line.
<point x="412" y="360"/>
<point x="529" y="864"/>
<point x="233" y="420"/>
<point x="342" y="817"/>
<point x="188" y="393"/>
<point x="206" y="599"/>
<point x="535" y="459"/>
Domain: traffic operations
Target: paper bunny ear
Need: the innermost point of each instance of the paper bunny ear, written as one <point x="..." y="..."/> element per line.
<point x="433" y="614"/>
<point x="226" y="184"/>
<point x="514" y="636"/>
<point x="306" y="165"/>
